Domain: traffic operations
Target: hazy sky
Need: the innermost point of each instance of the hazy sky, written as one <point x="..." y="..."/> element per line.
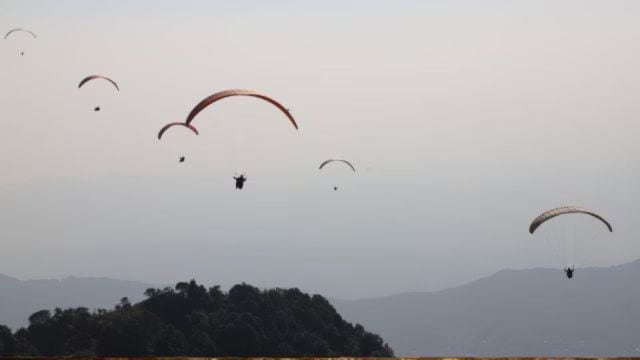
<point x="466" y="119"/>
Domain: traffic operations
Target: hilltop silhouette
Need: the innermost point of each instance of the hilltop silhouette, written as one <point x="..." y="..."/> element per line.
<point x="191" y="320"/>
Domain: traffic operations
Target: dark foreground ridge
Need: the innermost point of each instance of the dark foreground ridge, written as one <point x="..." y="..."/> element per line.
<point x="192" y="320"/>
<point x="324" y="358"/>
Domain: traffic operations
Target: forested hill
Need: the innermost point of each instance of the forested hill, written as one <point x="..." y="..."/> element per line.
<point x="191" y="320"/>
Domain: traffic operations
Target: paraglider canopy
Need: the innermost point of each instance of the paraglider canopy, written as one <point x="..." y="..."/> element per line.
<point x="93" y="77"/>
<point x="550" y="214"/>
<point x="237" y="92"/>
<point x="170" y="125"/>
<point x="336" y="160"/>
<point x="20" y="30"/>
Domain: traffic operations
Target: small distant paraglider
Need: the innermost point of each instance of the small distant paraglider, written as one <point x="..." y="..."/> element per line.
<point x="93" y="77"/>
<point x="569" y="271"/>
<point x="324" y="163"/>
<point x="170" y="125"/>
<point x="20" y="30"/>
<point x="240" y="180"/>
<point x="564" y="210"/>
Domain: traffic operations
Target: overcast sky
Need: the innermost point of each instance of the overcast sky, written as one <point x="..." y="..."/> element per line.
<point x="465" y="119"/>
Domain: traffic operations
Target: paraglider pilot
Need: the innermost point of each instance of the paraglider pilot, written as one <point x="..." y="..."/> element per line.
<point x="97" y="108"/>
<point x="569" y="271"/>
<point x="240" y="181"/>
<point x="181" y="158"/>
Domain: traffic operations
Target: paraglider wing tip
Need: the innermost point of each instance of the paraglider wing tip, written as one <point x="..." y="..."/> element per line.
<point x="324" y="163"/>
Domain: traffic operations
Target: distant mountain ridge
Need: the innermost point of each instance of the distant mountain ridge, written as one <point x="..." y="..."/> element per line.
<point x="21" y="298"/>
<point x="535" y="312"/>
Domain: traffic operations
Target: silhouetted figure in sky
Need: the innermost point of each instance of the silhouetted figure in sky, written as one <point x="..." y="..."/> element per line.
<point x="569" y="271"/>
<point x="335" y="188"/>
<point x="22" y="53"/>
<point x="240" y="181"/>
<point x="181" y="158"/>
<point x="97" y="108"/>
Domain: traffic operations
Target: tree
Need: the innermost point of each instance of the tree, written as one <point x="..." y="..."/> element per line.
<point x="191" y="320"/>
<point x="7" y="342"/>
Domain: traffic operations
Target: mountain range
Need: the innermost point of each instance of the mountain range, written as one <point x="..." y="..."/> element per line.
<point x="534" y="312"/>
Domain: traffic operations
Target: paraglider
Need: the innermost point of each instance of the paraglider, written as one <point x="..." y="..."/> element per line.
<point x="170" y="125"/>
<point x="92" y="77"/>
<point x="237" y="92"/>
<point x="569" y="271"/>
<point x="240" y="181"/>
<point x="20" y="30"/>
<point x="564" y="210"/>
<point x="324" y="163"/>
<point x="204" y="103"/>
